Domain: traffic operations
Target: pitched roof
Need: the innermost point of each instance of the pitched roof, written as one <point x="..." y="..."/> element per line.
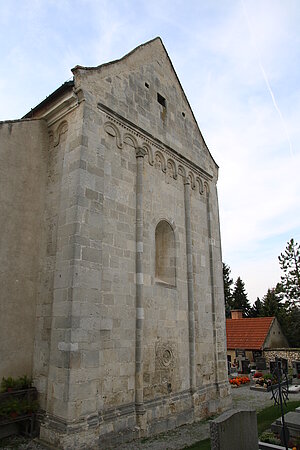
<point x="249" y="333"/>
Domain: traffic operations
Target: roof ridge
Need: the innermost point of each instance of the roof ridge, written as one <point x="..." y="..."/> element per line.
<point x="251" y="318"/>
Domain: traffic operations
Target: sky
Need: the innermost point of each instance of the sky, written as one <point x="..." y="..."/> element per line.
<point x="238" y="62"/>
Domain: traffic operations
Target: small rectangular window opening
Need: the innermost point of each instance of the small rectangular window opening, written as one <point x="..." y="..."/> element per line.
<point x="161" y="100"/>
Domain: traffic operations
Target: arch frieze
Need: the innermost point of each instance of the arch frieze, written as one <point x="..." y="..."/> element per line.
<point x="159" y="156"/>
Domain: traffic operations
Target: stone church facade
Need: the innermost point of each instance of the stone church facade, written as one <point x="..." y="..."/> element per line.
<point x="111" y="270"/>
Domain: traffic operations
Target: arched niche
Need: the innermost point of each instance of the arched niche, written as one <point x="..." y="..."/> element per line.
<point x="165" y="253"/>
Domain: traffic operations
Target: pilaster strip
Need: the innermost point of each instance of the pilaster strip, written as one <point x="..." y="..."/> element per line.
<point x="190" y="283"/>
<point x="139" y="399"/>
<point x="212" y="282"/>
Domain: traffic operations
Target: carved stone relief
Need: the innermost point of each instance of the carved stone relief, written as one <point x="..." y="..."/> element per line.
<point x="165" y="355"/>
<point x="55" y="136"/>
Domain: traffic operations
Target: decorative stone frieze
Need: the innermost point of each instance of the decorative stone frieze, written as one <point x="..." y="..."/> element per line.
<point x="158" y="155"/>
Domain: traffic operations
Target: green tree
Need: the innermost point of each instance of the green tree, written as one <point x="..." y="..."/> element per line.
<point x="239" y="297"/>
<point x="227" y="281"/>
<point x="291" y="326"/>
<point x="288" y="316"/>
<point x="289" y="262"/>
<point x="271" y="305"/>
<point x="256" y="309"/>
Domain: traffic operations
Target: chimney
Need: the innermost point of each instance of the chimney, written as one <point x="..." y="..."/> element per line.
<point x="237" y="314"/>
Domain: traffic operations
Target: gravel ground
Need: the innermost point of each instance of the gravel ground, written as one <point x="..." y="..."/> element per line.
<point x="187" y="435"/>
<point x="21" y="443"/>
<point x="243" y="398"/>
<point x="180" y="438"/>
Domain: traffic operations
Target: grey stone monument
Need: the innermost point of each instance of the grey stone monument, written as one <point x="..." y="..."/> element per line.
<point x="235" y="430"/>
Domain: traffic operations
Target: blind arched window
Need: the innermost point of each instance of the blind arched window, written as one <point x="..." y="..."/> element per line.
<point x="165" y="255"/>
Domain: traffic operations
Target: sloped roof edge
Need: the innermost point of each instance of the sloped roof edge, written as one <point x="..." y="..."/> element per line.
<point x="115" y="61"/>
<point x="70" y="84"/>
<point x="66" y="86"/>
<point x="78" y="67"/>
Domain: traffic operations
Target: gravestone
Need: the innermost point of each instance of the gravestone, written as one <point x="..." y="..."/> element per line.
<point x="245" y="366"/>
<point x="292" y="422"/>
<point x="228" y="367"/>
<point x="296" y="368"/>
<point x="235" y="430"/>
<point x="257" y="354"/>
<point x="284" y="364"/>
<point x="261" y="363"/>
<point x="272" y="366"/>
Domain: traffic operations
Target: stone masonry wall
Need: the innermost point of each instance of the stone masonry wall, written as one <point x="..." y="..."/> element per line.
<point x="291" y="354"/>
<point x="23" y="153"/>
<point x="120" y="368"/>
<point x="62" y="192"/>
<point x="131" y="86"/>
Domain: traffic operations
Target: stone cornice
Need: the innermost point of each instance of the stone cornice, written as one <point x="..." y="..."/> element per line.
<point x="60" y="107"/>
<point x="126" y="132"/>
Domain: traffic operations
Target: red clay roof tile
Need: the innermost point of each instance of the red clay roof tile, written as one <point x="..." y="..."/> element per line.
<point x="248" y="334"/>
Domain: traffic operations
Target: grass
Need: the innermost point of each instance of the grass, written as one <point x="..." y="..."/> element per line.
<point x="201" y="445"/>
<point x="267" y="416"/>
<point x="264" y="420"/>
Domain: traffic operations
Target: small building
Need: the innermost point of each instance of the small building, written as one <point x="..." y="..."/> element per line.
<point x="249" y="337"/>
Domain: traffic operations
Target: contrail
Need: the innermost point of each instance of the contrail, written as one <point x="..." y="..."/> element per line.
<point x="267" y="81"/>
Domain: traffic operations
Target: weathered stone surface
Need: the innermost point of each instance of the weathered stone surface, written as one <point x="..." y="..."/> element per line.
<point x="292" y="422"/>
<point x="120" y="351"/>
<point x="23" y="154"/>
<point x="291" y="354"/>
<point x="234" y="430"/>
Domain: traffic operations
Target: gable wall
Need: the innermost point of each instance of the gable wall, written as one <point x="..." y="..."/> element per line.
<point x="275" y="337"/>
<point x="121" y="86"/>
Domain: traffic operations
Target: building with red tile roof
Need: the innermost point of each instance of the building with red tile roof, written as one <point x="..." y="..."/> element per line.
<point x="252" y="335"/>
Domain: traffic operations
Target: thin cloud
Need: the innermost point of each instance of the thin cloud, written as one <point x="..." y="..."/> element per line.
<point x="267" y="81"/>
<point x="217" y="62"/>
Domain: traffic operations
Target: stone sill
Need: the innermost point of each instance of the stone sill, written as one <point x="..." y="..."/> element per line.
<point x="164" y="284"/>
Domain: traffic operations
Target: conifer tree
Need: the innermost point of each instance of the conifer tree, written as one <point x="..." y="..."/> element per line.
<point x="291" y="326"/>
<point x="227" y="281"/>
<point x="290" y="281"/>
<point x="256" y="308"/>
<point x="271" y="305"/>
<point x="288" y="315"/>
<point x="239" y="297"/>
